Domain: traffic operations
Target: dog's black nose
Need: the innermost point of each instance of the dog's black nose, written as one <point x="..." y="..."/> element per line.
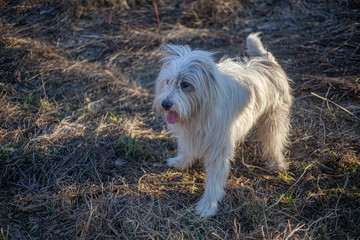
<point x="166" y="104"/>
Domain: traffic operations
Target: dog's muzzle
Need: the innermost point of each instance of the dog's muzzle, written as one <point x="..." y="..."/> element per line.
<point x="166" y="104"/>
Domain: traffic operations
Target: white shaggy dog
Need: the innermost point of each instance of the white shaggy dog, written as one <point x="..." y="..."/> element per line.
<point x="210" y="107"/>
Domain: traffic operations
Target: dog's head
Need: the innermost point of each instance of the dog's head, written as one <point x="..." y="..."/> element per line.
<point x="187" y="84"/>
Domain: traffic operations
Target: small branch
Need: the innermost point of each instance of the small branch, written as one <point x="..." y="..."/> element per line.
<point x="252" y="166"/>
<point x="300" y="177"/>
<point x="342" y="108"/>
<point x="337" y="202"/>
<point x="156" y="12"/>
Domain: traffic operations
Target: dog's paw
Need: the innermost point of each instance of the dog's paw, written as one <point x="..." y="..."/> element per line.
<point x="206" y="207"/>
<point x="277" y="166"/>
<point x="175" y="162"/>
<point x="281" y="166"/>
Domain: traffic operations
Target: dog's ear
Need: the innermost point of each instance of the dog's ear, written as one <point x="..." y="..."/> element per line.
<point x="176" y="50"/>
<point x="171" y="50"/>
<point x="208" y="67"/>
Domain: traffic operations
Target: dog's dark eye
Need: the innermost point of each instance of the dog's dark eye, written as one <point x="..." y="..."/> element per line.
<point x="167" y="82"/>
<point x="184" y="85"/>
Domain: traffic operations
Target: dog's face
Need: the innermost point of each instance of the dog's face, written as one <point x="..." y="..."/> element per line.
<point x="186" y="84"/>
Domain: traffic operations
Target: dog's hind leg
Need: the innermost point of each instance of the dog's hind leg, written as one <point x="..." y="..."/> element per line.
<point x="272" y="132"/>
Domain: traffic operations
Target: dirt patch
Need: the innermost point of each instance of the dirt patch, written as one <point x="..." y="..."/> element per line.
<point x="82" y="154"/>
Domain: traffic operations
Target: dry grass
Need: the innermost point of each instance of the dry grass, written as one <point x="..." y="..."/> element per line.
<point x="82" y="154"/>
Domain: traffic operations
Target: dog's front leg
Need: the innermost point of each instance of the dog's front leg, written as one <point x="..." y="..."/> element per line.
<point x="217" y="171"/>
<point x="181" y="161"/>
<point x="185" y="157"/>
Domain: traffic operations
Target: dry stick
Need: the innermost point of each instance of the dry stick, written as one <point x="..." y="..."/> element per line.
<point x="266" y="224"/>
<point x="294" y="231"/>
<point x="217" y="236"/>
<point x="329" y="215"/>
<point x="237" y="229"/>
<point x="87" y="224"/>
<point x="32" y="208"/>
<point x="114" y="230"/>
<point x="252" y="166"/>
<point x="262" y="232"/>
<point x="337" y="202"/>
<point x="277" y="202"/>
<point x="342" y="108"/>
<point x="157" y="13"/>
<point x="300" y="176"/>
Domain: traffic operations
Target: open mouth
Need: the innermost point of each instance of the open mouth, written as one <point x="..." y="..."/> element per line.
<point x="172" y="117"/>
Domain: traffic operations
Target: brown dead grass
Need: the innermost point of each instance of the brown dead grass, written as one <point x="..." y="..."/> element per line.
<point x="82" y="154"/>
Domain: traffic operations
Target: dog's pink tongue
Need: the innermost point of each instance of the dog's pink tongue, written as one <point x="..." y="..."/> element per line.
<point x="172" y="117"/>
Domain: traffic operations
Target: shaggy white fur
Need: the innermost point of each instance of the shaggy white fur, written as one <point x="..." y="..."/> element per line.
<point x="210" y="107"/>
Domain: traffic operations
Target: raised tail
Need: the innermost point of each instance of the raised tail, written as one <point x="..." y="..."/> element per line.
<point x="255" y="47"/>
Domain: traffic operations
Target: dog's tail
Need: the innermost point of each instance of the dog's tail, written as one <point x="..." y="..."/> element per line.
<point x="255" y="47"/>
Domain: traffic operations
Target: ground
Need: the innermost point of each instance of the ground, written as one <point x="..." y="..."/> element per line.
<point x="82" y="154"/>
